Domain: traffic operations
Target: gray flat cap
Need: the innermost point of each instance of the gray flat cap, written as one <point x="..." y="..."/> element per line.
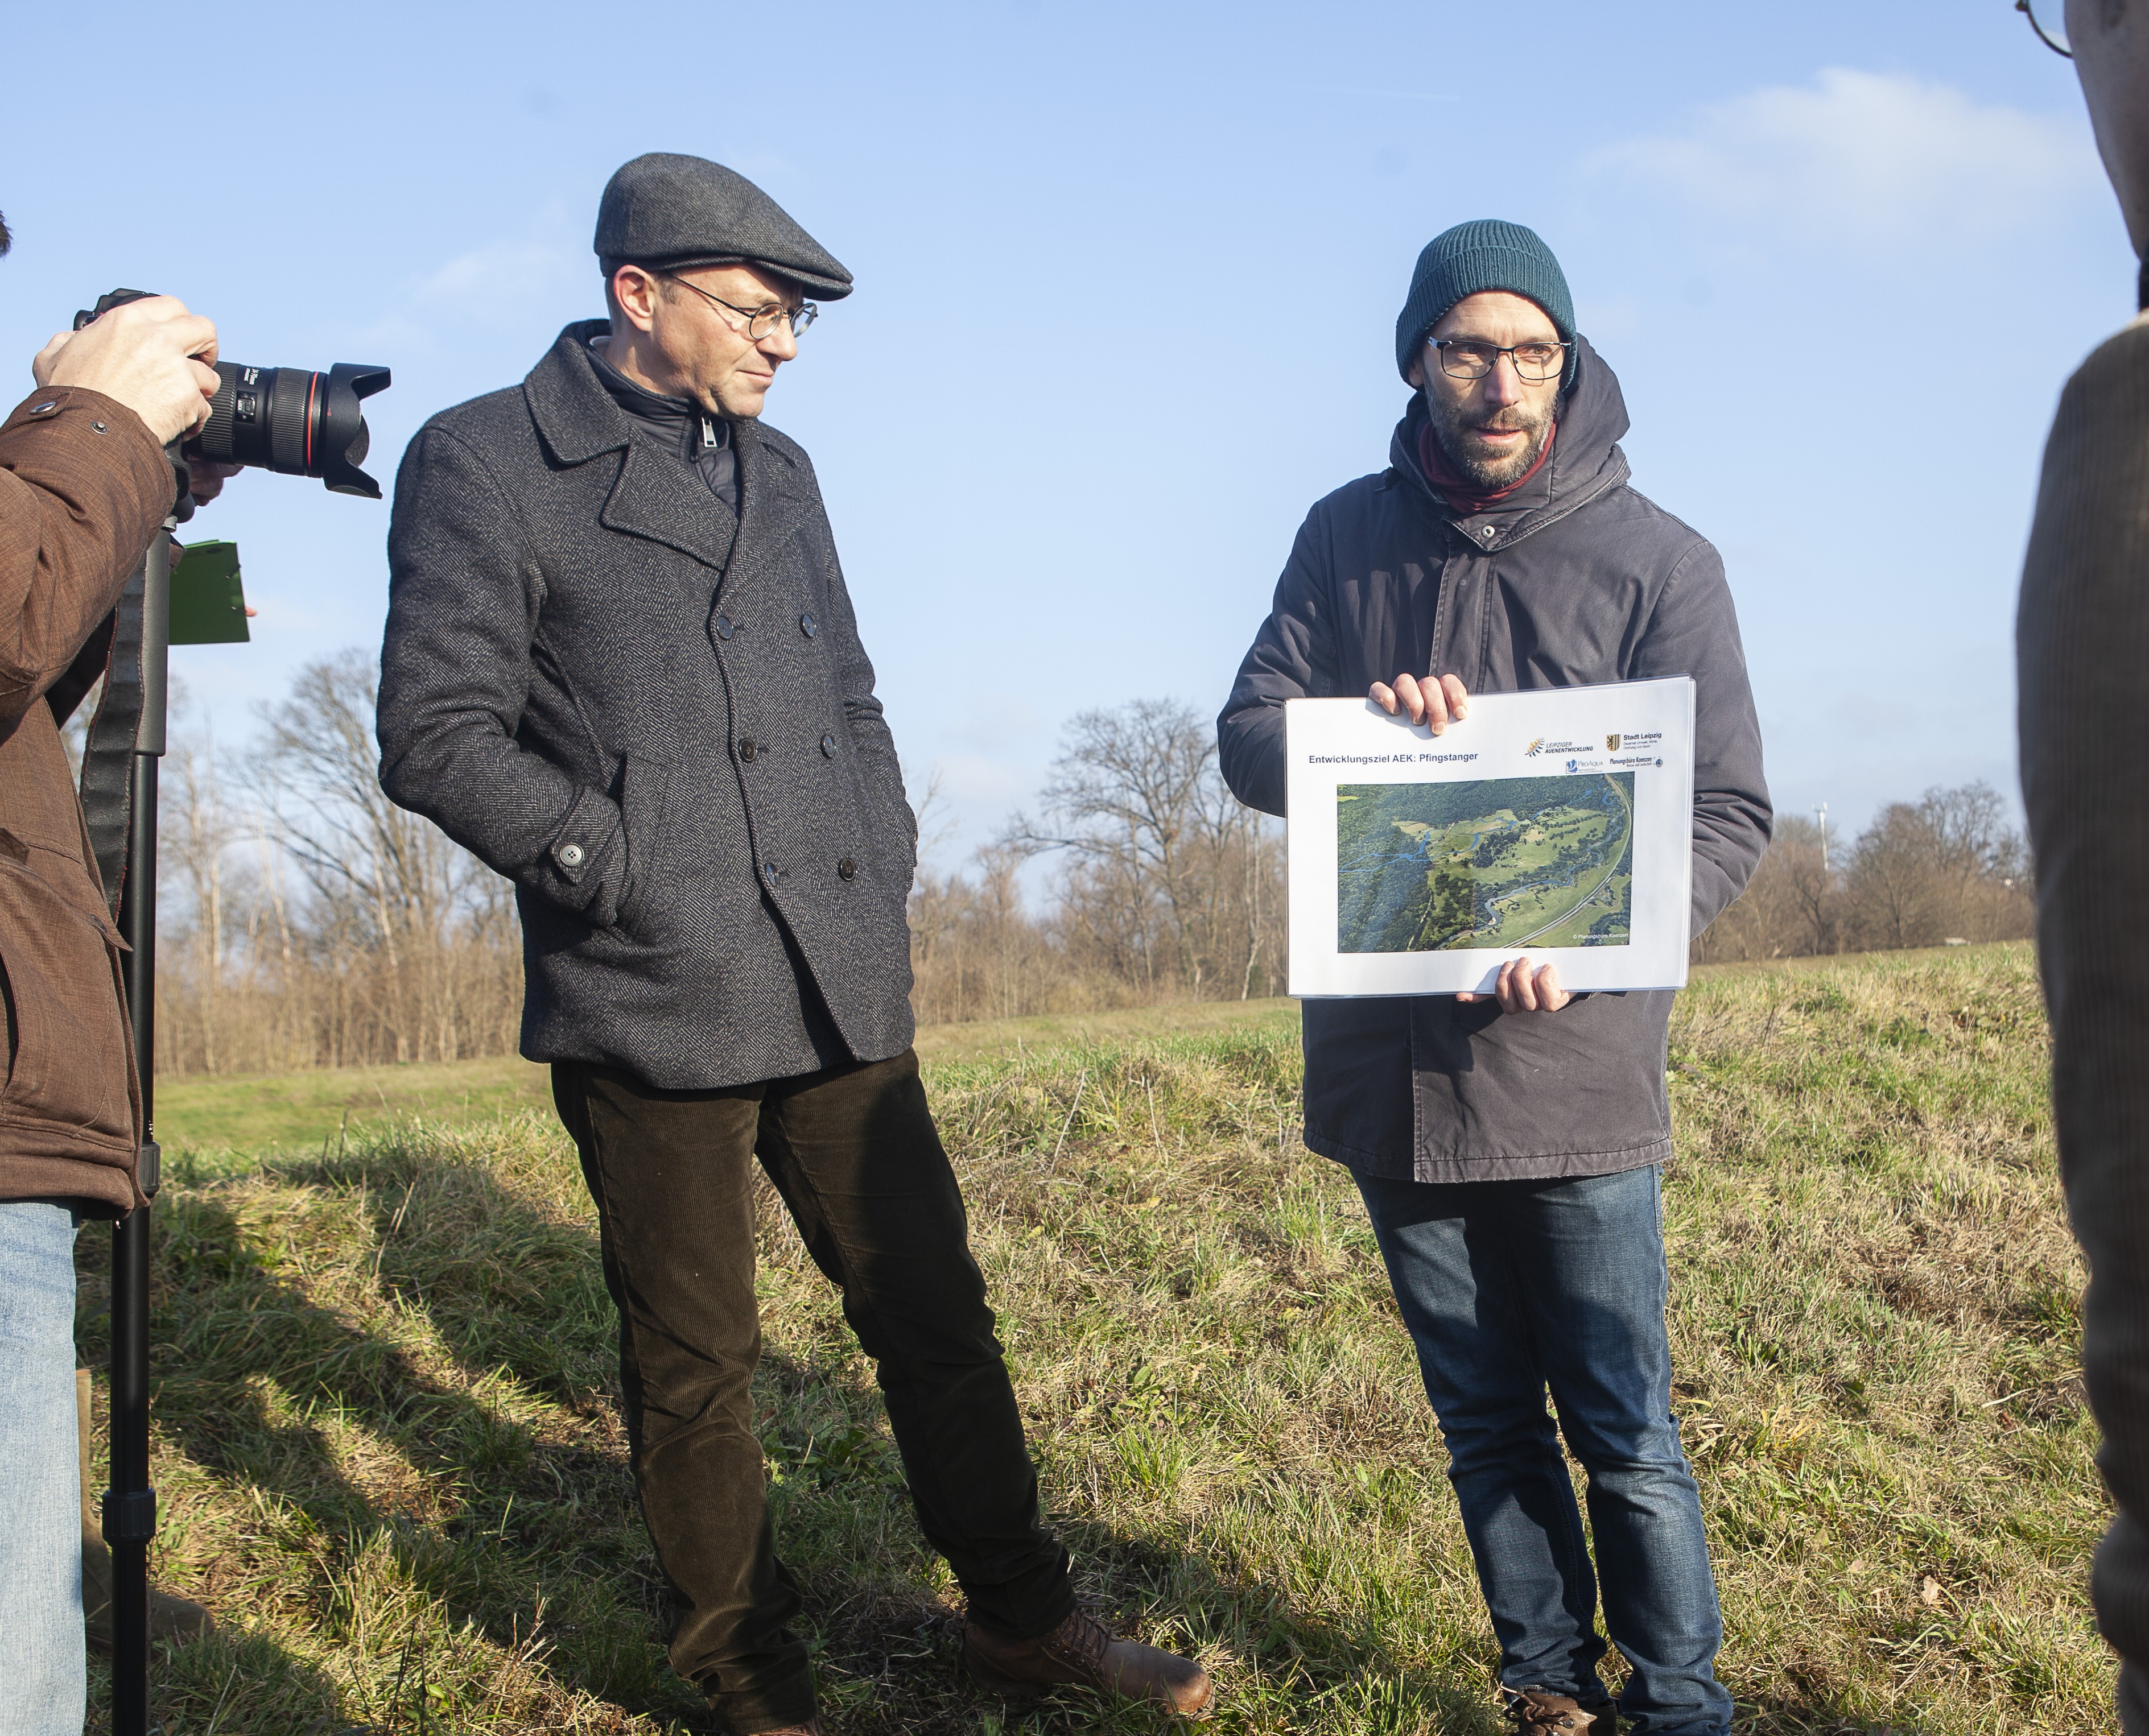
<point x="665" y="209"/>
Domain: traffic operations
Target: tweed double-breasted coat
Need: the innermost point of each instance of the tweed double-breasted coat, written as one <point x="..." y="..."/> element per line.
<point x="657" y="719"/>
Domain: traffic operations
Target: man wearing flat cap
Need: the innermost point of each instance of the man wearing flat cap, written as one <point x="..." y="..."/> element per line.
<point x="622" y="668"/>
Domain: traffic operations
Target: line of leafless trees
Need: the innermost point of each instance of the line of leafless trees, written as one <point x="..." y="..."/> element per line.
<point x="305" y="921"/>
<point x="1164" y="887"/>
<point x="1944" y="868"/>
<point x="309" y="922"/>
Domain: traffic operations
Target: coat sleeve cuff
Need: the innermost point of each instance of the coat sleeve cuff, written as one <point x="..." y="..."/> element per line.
<point x="584" y="868"/>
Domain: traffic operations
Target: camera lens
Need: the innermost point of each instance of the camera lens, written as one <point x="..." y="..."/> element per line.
<point x="293" y="420"/>
<point x="288" y="419"/>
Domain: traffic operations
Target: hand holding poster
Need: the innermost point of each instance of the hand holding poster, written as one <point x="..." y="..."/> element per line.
<point x="1557" y="823"/>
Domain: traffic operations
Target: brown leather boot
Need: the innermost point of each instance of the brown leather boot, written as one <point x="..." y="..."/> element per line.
<point x="1081" y="1650"/>
<point x="170" y="1618"/>
<point x="1537" y="1713"/>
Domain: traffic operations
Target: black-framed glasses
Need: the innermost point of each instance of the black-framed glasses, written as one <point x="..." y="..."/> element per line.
<point x="2049" y="19"/>
<point x="1467" y="358"/>
<point x="760" y="321"/>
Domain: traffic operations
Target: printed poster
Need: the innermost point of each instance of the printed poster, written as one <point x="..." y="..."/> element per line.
<point x="1557" y="824"/>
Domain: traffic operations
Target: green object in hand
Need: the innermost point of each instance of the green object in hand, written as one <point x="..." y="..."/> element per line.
<point x="208" y="607"/>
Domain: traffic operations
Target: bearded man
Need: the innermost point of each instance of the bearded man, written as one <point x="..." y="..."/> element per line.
<point x="622" y="668"/>
<point x="1509" y="1145"/>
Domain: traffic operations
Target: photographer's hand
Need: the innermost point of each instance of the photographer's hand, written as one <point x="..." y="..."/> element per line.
<point x="150" y="355"/>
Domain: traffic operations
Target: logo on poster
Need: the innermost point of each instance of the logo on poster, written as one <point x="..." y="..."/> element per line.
<point x="1611" y="744"/>
<point x="1534" y="749"/>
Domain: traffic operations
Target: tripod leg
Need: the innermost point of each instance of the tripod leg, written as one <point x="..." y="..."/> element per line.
<point x="130" y="1504"/>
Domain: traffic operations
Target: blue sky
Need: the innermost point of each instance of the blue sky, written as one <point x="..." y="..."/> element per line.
<point x="1128" y="277"/>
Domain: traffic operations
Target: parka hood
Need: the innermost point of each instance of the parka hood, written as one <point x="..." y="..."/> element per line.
<point x="1585" y="463"/>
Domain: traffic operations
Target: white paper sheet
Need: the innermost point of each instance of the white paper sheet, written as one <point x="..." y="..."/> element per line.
<point x="1557" y="824"/>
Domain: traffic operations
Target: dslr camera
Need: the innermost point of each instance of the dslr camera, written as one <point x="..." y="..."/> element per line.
<point x="292" y="421"/>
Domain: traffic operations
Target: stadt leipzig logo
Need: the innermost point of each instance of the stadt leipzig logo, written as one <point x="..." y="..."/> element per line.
<point x="1611" y="744"/>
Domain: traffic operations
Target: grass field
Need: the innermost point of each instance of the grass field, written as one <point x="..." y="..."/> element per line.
<point x="390" y="1458"/>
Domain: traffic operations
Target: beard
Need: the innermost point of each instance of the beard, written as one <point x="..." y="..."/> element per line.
<point x="1452" y="423"/>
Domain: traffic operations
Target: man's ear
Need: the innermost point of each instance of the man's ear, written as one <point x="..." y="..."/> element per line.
<point x="1416" y="375"/>
<point x="634" y="294"/>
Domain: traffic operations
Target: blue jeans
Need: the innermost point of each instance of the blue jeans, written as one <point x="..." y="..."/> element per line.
<point x="41" y="1677"/>
<point x="1508" y="1288"/>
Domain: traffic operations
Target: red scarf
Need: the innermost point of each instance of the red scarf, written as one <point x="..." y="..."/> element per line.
<point x="1456" y="489"/>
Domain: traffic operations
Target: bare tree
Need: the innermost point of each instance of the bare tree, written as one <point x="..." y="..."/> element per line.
<point x="1946" y="866"/>
<point x="1791" y="907"/>
<point x="1170" y="884"/>
<point x="411" y="922"/>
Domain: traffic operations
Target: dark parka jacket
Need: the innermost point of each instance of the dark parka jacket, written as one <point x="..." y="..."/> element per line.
<point x="657" y="719"/>
<point x="1574" y="580"/>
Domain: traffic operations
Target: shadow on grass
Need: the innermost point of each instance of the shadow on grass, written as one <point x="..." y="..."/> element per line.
<point x="492" y="1480"/>
<point x="1814" y="1717"/>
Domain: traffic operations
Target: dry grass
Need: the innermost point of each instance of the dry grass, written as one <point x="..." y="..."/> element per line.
<point x="390" y="1460"/>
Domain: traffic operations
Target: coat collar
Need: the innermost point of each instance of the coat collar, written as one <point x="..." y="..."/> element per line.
<point x="654" y="495"/>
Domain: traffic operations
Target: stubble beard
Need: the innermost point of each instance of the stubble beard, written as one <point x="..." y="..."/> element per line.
<point x="1452" y="422"/>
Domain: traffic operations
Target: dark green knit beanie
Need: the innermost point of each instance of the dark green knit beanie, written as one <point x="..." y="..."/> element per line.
<point x="1486" y="254"/>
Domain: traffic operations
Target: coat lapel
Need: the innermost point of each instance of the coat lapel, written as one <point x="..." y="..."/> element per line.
<point x="654" y="495"/>
<point x="773" y="499"/>
<point x="657" y="497"/>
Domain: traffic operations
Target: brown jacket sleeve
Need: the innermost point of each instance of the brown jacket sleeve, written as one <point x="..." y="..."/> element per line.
<point x="83" y="486"/>
<point x="2082" y="649"/>
<point x="82" y="482"/>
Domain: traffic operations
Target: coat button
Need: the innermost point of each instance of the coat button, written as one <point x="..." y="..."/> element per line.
<point x="98" y="428"/>
<point x="772" y="871"/>
<point x="47" y="408"/>
<point x="807" y="625"/>
<point x="828" y="745"/>
<point x="749" y="750"/>
<point x="725" y="626"/>
<point x="571" y="856"/>
<point x="848" y="869"/>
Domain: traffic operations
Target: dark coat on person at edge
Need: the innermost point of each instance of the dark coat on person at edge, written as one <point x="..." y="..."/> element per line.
<point x="1574" y="580"/>
<point x="657" y="719"/>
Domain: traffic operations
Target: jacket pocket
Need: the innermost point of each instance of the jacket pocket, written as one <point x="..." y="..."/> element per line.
<point x="645" y="791"/>
<point x="71" y="1068"/>
<point x="888" y="829"/>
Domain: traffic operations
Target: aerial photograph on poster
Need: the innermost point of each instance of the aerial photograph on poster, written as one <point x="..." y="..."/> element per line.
<point x="1486" y="863"/>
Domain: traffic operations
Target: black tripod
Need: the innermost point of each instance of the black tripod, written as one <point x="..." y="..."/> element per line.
<point x="130" y="1504"/>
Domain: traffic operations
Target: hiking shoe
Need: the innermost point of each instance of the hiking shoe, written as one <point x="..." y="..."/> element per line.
<point x="1537" y="1713"/>
<point x="170" y="1618"/>
<point x="1081" y="1651"/>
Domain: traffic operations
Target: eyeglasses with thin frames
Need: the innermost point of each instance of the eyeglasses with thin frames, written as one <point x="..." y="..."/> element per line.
<point x="760" y="321"/>
<point x="2049" y="19"/>
<point x="1467" y="358"/>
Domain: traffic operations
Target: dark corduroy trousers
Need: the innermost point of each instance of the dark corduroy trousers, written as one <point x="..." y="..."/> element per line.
<point x="853" y="1153"/>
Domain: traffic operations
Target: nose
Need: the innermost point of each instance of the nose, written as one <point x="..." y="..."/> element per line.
<point x="1503" y="385"/>
<point x="781" y="345"/>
